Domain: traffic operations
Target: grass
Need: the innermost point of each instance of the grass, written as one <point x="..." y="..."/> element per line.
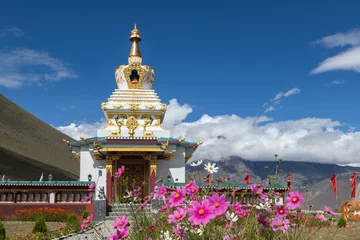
<point x="13" y="228"/>
<point x="337" y="233"/>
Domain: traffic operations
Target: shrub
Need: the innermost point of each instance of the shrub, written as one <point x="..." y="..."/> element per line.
<point x="32" y="214"/>
<point x="40" y="226"/>
<point x="85" y="214"/>
<point x="2" y="231"/>
<point x="72" y="223"/>
<point x="341" y="223"/>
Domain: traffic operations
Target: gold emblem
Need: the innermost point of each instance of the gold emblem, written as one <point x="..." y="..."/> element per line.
<point x="134" y="106"/>
<point x="150" y="106"/>
<point x="118" y="105"/>
<point x="163" y="107"/>
<point x="147" y="122"/>
<point x="132" y="123"/>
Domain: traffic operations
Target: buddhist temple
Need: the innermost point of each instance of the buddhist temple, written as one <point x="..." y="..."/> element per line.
<point x="133" y="137"/>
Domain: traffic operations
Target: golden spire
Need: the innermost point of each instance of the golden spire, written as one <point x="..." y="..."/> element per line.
<point x="135" y="39"/>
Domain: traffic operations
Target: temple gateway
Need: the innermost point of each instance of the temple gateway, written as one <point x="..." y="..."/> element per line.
<point x="133" y="137"/>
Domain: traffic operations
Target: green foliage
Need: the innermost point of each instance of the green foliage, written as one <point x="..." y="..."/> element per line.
<point x="2" y="232"/>
<point x="341" y="223"/>
<point x="40" y="226"/>
<point x="85" y="214"/>
<point x="72" y="223"/>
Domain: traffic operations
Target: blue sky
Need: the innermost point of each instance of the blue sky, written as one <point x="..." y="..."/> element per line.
<point x="221" y="58"/>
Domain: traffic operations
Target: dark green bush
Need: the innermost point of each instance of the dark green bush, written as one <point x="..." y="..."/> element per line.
<point x="40" y="226"/>
<point x="85" y="214"/>
<point x="2" y="231"/>
<point x="72" y="223"/>
<point x="341" y="223"/>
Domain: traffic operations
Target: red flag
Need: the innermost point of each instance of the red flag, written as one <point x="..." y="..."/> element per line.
<point x="247" y="179"/>
<point x="353" y="184"/>
<point x="333" y="183"/>
<point x="289" y="182"/>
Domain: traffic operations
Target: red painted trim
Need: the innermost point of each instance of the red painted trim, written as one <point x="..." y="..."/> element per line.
<point x="109" y="187"/>
<point x="152" y="181"/>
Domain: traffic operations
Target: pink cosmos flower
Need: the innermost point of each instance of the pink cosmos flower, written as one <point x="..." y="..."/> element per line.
<point x="86" y="222"/>
<point x="243" y="213"/>
<point x="263" y="219"/>
<point x="201" y="212"/>
<point x="123" y="232"/>
<point x="92" y="186"/>
<point x="120" y="222"/>
<point x="160" y="193"/>
<point x="219" y="202"/>
<point x="294" y="200"/>
<point x="178" y="215"/>
<point x="177" y="197"/>
<point x="190" y="184"/>
<point x="119" y="172"/>
<point x="179" y="231"/>
<point x="142" y="206"/>
<point x="280" y="224"/>
<point x="281" y="211"/>
<point x="329" y="210"/>
<point x="192" y="190"/>
<point x="257" y="189"/>
<point x="237" y="207"/>
<point x="321" y="217"/>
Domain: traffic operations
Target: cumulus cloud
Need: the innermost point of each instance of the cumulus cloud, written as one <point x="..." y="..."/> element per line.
<point x="259" y="138"/>
<point x="335" y="82"/>
<point x="175" y="113"/>
<point x="351" y="38"/>
<point x="14" y="68"/>
<point x="347" y="60"/>
<point x="15" y="31"/>
<point x="76" y="131"/>
<point x="254" y="138"/>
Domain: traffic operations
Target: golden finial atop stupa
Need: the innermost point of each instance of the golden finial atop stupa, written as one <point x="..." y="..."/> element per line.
<point x="135" y="39"/>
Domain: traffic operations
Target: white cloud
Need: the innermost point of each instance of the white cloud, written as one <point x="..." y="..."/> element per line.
<point x="15" y="31"/>
<point x="269" y="109"/>
<point x="351" y="38"/>
<point x="81" y="130"/>
<point x="255" y="138"/>
<point x="278" y="98"/>
<point x="258" y="138"/>
<point x="15" y="65"/>
<point x="335" y="82"/>
<point x="175" y="113"/>
<point x="286" y="94"/>
<point x="347" y="60"/>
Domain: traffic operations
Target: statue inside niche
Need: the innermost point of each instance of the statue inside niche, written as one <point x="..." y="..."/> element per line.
<point x="134" y="76"/>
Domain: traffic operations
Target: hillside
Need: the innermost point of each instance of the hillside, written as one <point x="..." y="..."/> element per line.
<point x="29" y="147"/>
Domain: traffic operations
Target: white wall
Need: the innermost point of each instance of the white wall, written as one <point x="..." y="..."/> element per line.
<point x="175" y="167"/>
<point x="89" y="165"/>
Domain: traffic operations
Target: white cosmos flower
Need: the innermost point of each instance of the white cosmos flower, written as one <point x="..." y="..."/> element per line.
<point x="264" y="206"/>
<point x="199" y="231"/>
<point x="165" y="235"/>
<point x="231" y="217"/>
<point x="196" y="164"/>
<point x="211" y="168"/>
